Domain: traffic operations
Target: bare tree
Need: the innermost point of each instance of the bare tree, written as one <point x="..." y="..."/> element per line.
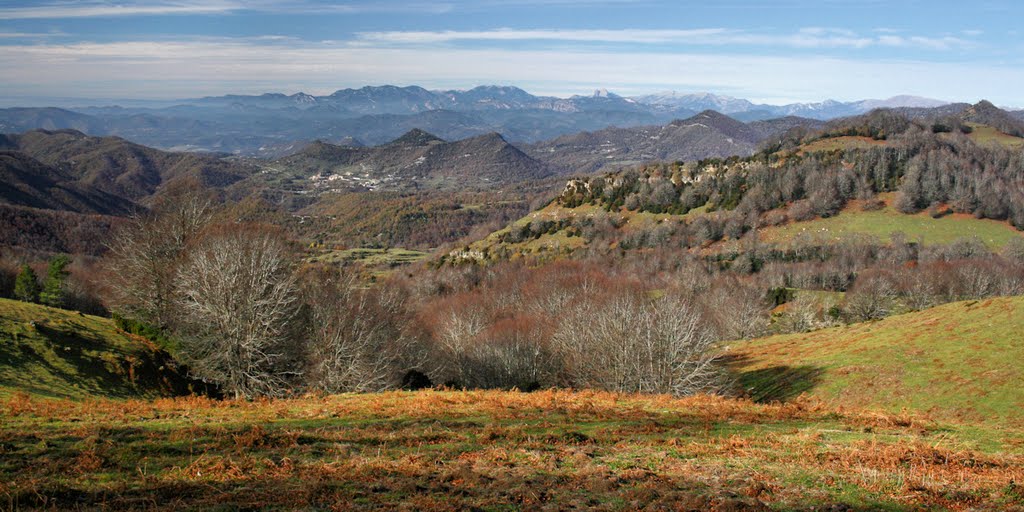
<point x="1013" y="251"/>
<point x="238" y="300"/>
<point x="359" y="339"/>
<point x="918" y="289"/>
<point x="632" y="344"/>
<point x="802" y="315"/>
<point x="873" y="297"/>
<point x="512" y="353"/>
<point x="146" y="254"/>
<point x="976" y="279"/>
<point x="738" y="307"/>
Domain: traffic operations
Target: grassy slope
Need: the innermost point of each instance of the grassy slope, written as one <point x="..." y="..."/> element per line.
<point x="66" y="354"/>
<point x="548" y="243"/>
<point x="845" y="142"/>
<point x="438" y="450"/>
<point x="448" y="450"/>
<point x="882" y="223"/>
<point x="984" y="134"/>
<point x="958" y="362"/>
<point x="851" y="220"/>
<point x="370" y="257"/>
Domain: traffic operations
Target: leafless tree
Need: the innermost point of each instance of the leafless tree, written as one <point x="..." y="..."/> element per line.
<point x="512" y="353"/>
<point x="918" y="289"/>
<point x="802" y="315"/>
<point x="738" y="307"/>
<point x="359" y="339"/>
<point x="629" y="343"/>
<point x="238" y="299"/>
<point x="976" y="279"/>
<point x="1013" y="251"/>
<point x="146" y="254"/>
<point x="873" y="297"/>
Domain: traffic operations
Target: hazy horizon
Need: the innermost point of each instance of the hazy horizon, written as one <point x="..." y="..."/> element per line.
<point x="786" y="52"/>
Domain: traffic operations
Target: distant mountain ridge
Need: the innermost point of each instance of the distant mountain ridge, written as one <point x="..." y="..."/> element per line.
<point x="269" y="125"/>
<point x="747" y="110"/>
<point x="392" y="99"/>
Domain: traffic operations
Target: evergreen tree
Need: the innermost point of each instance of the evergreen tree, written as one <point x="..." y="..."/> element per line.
<point x="53" y="286"/>
<point x="26" y="286"/>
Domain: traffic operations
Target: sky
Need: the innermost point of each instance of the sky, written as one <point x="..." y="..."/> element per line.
<point x="774" y="52"/>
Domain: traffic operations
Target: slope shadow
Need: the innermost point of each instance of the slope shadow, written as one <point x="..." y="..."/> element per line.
<point x="778" y="383"/>
<point x="75" y="359"/>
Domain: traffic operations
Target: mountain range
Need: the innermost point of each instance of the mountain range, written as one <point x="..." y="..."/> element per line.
<point x="61" y="190"/>
<point x="274" y="124"/>
<point x="72" y="171"/>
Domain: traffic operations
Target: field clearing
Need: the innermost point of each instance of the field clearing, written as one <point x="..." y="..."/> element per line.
<point x="491" y="450"/>
<point x="840" y="143"/>
<point x="984" y="134"/>
<point x="960" y="362"/>
<point x="883" y="223"/>
<point x="371" y="257"/>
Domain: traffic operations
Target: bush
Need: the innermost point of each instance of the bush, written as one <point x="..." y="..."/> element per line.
<point x="779" y="296"/>
<point x="150" y="332"/>
<point x="801" y="211"/>
<point x="872" y="205"/>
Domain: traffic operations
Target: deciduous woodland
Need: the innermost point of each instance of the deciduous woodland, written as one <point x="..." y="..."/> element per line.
<point x="635" y="308"/>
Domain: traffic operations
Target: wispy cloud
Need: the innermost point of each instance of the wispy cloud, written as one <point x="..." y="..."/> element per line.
<point x="931" y="43"/>
<point x="507" y="34"/>
<point x="811" y="37"/>
<point x="31" y="35"/>
<point x="188" y="68"/>
<point x="90" y="9"/>
<point x="106" y="9"/>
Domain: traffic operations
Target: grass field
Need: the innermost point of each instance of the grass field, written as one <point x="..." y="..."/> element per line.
<point x="960" y="362"/>
<point x="371" y="257"/>
<point x="58" y="353"/>
<point x="443" y="450"/>
<point x="845" y="142"/>
<point x="882" y="223"/>
<point x="984" y="134"/>
<point x="918" y="411"/>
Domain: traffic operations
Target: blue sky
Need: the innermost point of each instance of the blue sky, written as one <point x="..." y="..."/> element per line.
<point x="775" y="52"/>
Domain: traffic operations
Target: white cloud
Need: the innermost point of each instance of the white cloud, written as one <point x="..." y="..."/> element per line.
<point x="105" y="9"/>
<point x="97" y="9"/>
<point x="191" y="68"/>
<point x="30" y="35"/>
<point x="506" y="34"/>
<point x="811" y="37"/>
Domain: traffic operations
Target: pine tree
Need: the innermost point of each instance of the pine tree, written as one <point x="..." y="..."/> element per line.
<point x="53" y="286"/>
<point x="26" y="286"/>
